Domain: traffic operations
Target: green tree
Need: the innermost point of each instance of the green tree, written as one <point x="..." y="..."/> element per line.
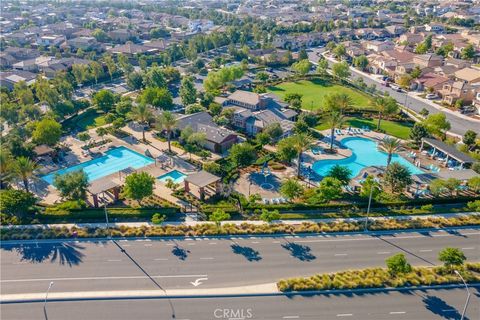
<point x="370" y="185"/>
<point x="138" y="186"/>
<point x="291" y="189"/>
<point x="157" y="97"/>
<point x="294" y="99"/>
<point x="437" y="124"/>
<point x="302" y="67"/>
<point x="329" y="189"/>
<point x="83" y="136"/>
<point x="96" y="70"/>
<point x="397" y="177"/>
<point x="6" y="167"/>
<point x="274" y="131"/>
<point x="194" y="108"/>
<point x="269" y="216"/>
<point x="301" y="142"/>
<point x="218" y="216"/>
<point x="416" y="72"/>
<point x="339" y="51"/>
<point x="155" y="77"/>
<point x="111" y="65"/>
<point x="80" y="73"/>
<point x="104" y="100"/>
<point x="334" y="119"/>
<point x="385" y="106"/>
<point x="72" y="185"/>
<point x="390" y="146"/>
<point x="286" y="150"/>
<point x="24" y="169"/>
<point x="341" y="173"/>
<point x="242" y="154"/>
<point x="469" y="138"/>
<point x="16" y="202"/>
<point x="322" y="67"/>
<point x="47" y="131"/>
<point x="141" y="114"/>
<point x="262" y="76"/>
<point x="417" y="133"/>
<point x="102" y="132"/>
<point x="451" y="257"/>
<point x="361" y="62"/>
<point x="341" y="70"/>
<point x="468" y="52"/>
<point x="188" y="93"/>
<point x="398" y="264"/>
<point x="158" y="218"/>
<point x="135" y="80"/>
<point x="437" y="186"/>
<point x="474" y="184"/>
<point x="167" y="122"/>
<point x="302" y="54"/>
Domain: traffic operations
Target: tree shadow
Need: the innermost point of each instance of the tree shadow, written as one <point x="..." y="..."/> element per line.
<point x="249" y="253"/>
<point x="180" y="252"/>
<point x="65" y="253"/>
<point x="441" y="308"/>
<point x="301" y="252"/>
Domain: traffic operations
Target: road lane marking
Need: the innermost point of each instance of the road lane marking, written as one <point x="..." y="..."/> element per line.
<point x="340" y="254"/>
<point x="385" y="236"/>
<point x="160" y="259"/>
<point x="255" y="242"/>
<point x="104" y="278"/>
<point x="207" y="258"/>
<point x="212" y="243"/>
<point x="291" y="317"/>
<point x="383" y="252"/>
<point x="170" y="244"/>
<point x="397" y="312"/>
<point x="426" y="250"/>
<point x="191" y="244"/>
<point x="148" y="245"/>
<point x="468" y="248"/>
<point x="114" y="260"/>
<point x="344" y="315"/>
<point x="276" y="241"/>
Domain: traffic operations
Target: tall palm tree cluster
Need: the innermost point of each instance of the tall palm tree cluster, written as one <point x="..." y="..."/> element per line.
<point x="334" y="112"/>
<point x="21" y="168"/>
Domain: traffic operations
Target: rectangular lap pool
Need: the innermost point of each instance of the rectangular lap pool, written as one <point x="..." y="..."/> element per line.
<point x="174" y="175"/>
<point x="113" y="161"/>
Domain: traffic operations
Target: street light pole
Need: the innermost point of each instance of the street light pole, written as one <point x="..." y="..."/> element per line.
<point x="468" y="295"/>
<point x="46" y="294"/>
<point x="106" y="218"/>
<point x="368" y="208"/>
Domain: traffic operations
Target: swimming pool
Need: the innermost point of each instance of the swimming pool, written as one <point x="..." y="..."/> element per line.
<point x="113" y="161"/>
<point x="174" y="175"/>
<point x="364" y="154"/>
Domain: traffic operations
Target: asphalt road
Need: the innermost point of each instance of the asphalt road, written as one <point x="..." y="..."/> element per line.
<point x="458" y="125"/>
<point x="411" y="305"/>
<point x="174" y="264"/>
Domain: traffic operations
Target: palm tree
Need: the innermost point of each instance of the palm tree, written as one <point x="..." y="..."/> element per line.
<point x="167" y="121"/>
<point x="343" y="101"/>
<point x="24" y="168"/>
<point x="301" y="142"/>
<point x="384" y="106"/>
<point x="142" y="114"/>
<point x="334" y="120"/>
<point x="5" y="167"/>
<point x="390" y="146"/>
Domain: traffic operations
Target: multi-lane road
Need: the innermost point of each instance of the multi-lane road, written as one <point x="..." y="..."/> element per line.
<point x="225" y="262"/>
<point x="459" y="125"/>
<point x="411" y="305"/>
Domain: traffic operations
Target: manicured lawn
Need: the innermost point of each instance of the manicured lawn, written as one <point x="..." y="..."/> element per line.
<point x="314" y="92"/>
<point x="397" y="129"/>
<point x="87" y="120"/>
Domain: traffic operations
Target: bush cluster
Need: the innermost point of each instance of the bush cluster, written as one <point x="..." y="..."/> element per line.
<point x="380" y="278"/>
<point x="233" y="229"/>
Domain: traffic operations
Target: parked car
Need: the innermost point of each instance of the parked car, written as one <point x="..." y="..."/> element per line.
<point x="396" y="87"/>
<point x="467" y="109"/>
<point x="431" y="96"/>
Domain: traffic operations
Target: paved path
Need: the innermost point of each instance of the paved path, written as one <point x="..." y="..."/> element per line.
<point x="102" y="265"/>
<point x="425" y="305"/>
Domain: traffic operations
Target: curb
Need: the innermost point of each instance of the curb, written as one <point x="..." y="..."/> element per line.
<point x="158" y="294"/>
<point x="246" y="236"/>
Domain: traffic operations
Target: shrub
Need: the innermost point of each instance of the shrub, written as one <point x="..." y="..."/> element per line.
<point x="158" y="218"/>
<point x="398" y="264"/>
<point x="427" y="207"/>
<point x="451" y="257"/>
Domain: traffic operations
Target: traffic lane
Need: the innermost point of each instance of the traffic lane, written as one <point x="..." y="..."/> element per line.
<point x="429" y="304"/>
<point x="235" y="262"/>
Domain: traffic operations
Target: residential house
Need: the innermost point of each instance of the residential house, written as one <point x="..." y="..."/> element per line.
<point x="455" y="90"/>
<point x="249" y="100"/>
<point x="468" y="75"/>
<point x="10" y="78"/>
<point x="428" y="60"/>
<point x="121" y="35"/>
<point x="435" y="27"/>
<point x="50" y="40"/>
<point x="430" y="80"/>
<point x="84" y="43"/>
<point x="218" y="139"/>
<point x="130" y="49"/>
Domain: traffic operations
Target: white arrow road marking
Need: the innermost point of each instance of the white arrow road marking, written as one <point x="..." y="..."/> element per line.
<point x="197" y="282"/>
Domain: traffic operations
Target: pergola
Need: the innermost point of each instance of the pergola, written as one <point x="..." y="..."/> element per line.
<point x="101" y="186"/>
<point x="448" y="150"/>
<point x="202" y="180"/>
<point x="43" y="150"/>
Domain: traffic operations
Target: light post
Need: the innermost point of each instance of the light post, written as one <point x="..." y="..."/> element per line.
<point x="106" y="219"/>
<point x="468" y="294"/>
<point x="46" y="294"/>
<point x="369" y="203"/>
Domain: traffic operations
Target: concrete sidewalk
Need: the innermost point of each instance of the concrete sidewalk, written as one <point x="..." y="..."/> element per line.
<point x="237" y="222"/>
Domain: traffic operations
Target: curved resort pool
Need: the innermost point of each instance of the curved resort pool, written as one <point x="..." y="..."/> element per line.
<point x="364" y="154"/>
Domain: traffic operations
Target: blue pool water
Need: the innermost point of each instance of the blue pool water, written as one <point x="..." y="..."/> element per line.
<point x="364" y="154"/>
<point x="113" y="161"/>
<point x="174" y="175"/>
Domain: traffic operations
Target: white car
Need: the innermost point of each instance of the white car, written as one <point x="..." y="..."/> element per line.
<point x="395" y="87"/>
<point x="431" y="96"/>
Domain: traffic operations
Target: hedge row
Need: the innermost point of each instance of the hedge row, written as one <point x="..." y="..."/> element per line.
<point x="380" y="278"/>
<point x="209" y="229"/>
<point x="98" y="215"/>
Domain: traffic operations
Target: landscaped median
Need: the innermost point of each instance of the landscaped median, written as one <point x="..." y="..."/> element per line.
<point x="208" y="229"/>
<point x="382" y="278"/>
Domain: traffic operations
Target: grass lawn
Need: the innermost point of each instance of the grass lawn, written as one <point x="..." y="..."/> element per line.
<point x="314" y="92"/>
<point x="87" y="120"/>
<point x="397" y="129"/>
